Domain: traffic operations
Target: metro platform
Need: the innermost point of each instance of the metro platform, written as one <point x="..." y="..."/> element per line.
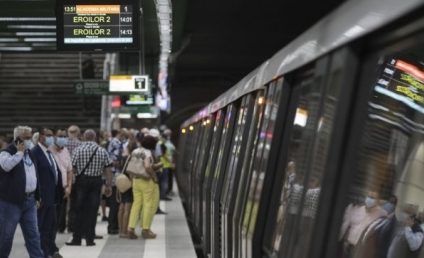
<point x="173" y="239"/>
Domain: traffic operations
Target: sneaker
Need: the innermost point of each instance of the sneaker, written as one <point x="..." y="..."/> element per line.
<point x="160" y="212"/>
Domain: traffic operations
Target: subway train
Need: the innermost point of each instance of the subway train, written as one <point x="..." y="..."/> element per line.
<point x="319" y="152"/>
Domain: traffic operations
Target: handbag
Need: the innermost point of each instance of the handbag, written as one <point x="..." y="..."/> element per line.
<point x="123" y="183"/>
<point x="135" y="164"/>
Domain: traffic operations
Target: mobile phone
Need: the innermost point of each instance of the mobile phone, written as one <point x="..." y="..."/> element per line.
<point x="18" y="141"/>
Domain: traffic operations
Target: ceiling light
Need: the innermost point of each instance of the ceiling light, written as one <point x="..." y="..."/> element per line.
<point x="35" y="33"/>
<point x="31" y="27"/>
<point x="15" y="48"/>
<point x="27" y="19"/>
<point x="146" y="115"/>
<point x="40" y="39"/>
<point x="9" y="40"/>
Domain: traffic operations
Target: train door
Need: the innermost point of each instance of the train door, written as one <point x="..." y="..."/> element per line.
<point x="379" y="211"/>
<point x="240" y="191"/>
<point x="232" y="174"/>
<point x="211" y="161"/>
<point x="218" y="175"/>
<point x="315" y="121"/>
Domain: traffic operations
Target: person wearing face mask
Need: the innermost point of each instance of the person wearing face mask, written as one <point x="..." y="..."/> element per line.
<point x="408" y="235"/>
<point x="19" y="194"/>
<point x="51" y="191"/>
<point x="375" y="239"/>
<point x="63" y="158"/>
<point x="358" y="220"/>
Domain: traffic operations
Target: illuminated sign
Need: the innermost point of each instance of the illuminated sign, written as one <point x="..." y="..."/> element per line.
<point x="129" y="84"/>
<point x="139" y="100"/>
<point x="404" y="82"/>
<point x="97" y="25"/>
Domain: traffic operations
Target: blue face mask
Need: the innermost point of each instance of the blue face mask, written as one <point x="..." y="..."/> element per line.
<point x="61" y="141"/>
<point x="49" y="140"/>
<point x="389" y="207"/>
<point x="28" y="144"/>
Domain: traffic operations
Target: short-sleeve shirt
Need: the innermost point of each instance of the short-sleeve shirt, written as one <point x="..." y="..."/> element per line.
<point x="82" y="155"/>
<point x="63" y="159"/>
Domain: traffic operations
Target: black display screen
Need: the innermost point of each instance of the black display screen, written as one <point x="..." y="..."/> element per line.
<point x="97" y="25"/>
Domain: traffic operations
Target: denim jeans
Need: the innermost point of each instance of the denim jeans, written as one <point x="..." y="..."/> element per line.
<point x="26" y="215"/>
<point x="163" y="179"/>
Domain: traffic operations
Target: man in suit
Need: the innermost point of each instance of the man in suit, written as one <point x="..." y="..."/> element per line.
<point x="19" y="193"/>
<point x="50" y="179"/>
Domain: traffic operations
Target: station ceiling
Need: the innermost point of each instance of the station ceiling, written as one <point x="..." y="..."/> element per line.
<point x="215" y="43"/>
<point x="218" y="42"/>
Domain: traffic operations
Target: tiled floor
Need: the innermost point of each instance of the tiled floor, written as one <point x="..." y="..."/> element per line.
<point x="173" y="240"/>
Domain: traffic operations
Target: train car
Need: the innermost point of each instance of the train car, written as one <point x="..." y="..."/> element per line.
<point x="319" y="152"/>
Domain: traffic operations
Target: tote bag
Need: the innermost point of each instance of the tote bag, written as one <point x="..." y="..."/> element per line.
<point x="136" y="163"/>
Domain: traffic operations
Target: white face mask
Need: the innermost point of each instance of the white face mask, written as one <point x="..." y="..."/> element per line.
<point x="370" y="202"/>
<point x="28" y="144"/>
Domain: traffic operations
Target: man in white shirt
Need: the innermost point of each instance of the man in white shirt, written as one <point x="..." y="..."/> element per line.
<point x="19" y="193"/>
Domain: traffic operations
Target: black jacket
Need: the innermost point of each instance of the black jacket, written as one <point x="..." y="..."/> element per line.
<point x="12" y="183"/>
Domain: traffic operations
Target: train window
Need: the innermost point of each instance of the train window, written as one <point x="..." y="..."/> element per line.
<point x="384" y="217"/>
<point x="206" y="201"/>
<point x="197" y="129"/>
<point x="292" y="222"/>
<point x="208" y="124"/>
<point x="245" y="176"/>
<point x="260" y="163"/>
<point x="233" y="171"/>
<point x="224" y="147"/>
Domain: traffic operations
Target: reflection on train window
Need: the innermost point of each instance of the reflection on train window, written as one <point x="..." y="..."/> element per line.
<point x="308" y="148"/>
<point x="245" y="176"/>
<point x="260" y="163"/>
<point x="385" y="212"/>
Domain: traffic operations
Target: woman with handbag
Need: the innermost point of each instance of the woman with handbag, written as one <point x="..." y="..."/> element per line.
<point x="125" y="195"/>
<point x="145" y="188"/>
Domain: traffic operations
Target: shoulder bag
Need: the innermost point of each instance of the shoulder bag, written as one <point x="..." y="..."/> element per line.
<point x="135" y="164"/>
<point x="88" y="163"/>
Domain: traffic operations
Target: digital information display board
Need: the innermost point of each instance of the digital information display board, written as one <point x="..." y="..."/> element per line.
<point x="129" y="84"/>
<point x="94" y="25"/>
<point x="403" y="81"/>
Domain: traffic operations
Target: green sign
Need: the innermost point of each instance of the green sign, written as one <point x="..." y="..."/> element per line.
<point x="91" y="87"/>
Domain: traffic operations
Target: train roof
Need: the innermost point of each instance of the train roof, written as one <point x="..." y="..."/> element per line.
<point x="352" y="20"/>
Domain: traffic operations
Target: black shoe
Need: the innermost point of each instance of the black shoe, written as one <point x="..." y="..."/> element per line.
<point x="159" y="211"/>
<point x="91" y="243"/>
<point x="98" y="237"/>
<point x="166" y="199"/>
<point x="74" y="243"/>
<point x="57" y="255"/>
<point x="105" y="218"/>
<point x="113" y="232"/>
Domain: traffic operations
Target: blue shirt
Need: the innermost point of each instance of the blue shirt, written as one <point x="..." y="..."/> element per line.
<point x="8" y="162"/>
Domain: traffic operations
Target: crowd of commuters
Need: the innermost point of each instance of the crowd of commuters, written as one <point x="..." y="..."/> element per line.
<point x="55" y="180"/>
<point x="373" y="228"/>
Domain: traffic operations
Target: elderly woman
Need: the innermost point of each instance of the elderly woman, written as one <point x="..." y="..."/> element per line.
<point x="145" y="191"/>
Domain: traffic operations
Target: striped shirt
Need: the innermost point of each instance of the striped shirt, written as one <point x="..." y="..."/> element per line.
<point x="82" y="155"/>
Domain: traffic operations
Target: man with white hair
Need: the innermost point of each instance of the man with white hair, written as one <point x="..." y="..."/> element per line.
<point x="19" y="193"/>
